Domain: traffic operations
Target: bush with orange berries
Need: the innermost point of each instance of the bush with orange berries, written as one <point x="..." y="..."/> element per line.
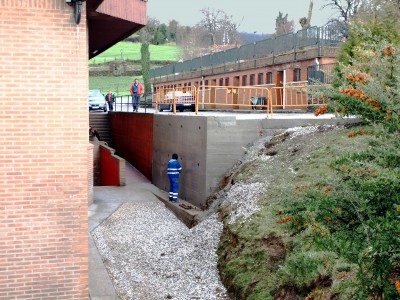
<point x="368" y="84"/>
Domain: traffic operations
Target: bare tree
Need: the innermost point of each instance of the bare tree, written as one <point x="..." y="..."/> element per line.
<point x="282" y="25"/>
<point x="364" y="12"/>
<point x="210" y="22"/>
<point x="305" y="22"/>
<point x="382" y="7"/>
<point x="228" y="29"/>
<point x="220" y="27"/>
<point x="150" y="31"/>
<point x="182" y="34"/>
<point x="193" y="43"/>
<point x="346" y="8"/>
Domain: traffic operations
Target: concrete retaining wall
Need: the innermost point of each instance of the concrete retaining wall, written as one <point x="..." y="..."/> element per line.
<point x="227" y="139"/>
<point x="186" y="136"/>
<point x="208" y="146"/>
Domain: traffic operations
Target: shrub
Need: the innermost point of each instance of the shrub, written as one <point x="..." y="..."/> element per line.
<point x="356" y="215"/>
<point x="366" y="80"/>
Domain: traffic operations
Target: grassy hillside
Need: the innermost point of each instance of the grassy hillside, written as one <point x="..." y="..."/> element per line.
<point x="120" y="85"/>
<point x="290" y="230"/>
<point x="131" y="51"/>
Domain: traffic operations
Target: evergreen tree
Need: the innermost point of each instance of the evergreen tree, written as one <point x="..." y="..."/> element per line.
<point x="145" y="53"/>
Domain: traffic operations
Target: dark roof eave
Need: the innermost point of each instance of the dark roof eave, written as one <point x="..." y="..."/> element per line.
<point x="105" y="30"/>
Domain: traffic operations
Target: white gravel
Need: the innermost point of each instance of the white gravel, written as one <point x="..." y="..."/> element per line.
<point x="242" y="201"/>
<point x="296" y="131"/>
<point x="151" y="255"/>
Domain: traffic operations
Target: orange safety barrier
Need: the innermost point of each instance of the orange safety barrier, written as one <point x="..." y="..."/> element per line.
<point x="233" y="97"/>
<point x="298" y="95"/>
<point x="295" y="97"/>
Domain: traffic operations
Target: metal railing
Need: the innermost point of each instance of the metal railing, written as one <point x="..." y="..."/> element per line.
<point x="292" y="96"/>
<point x="125" y="103"/>
<point x="313" y="37"/>
<point x="320" y="73"/>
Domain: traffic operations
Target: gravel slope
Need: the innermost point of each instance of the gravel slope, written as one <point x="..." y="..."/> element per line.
<point x="151" y="255"/>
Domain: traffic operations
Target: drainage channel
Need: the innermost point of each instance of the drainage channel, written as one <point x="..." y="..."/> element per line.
<point x="184" y="211"/>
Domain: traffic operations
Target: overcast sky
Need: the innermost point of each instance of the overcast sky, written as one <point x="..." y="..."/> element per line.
<point x="252" y="15"/>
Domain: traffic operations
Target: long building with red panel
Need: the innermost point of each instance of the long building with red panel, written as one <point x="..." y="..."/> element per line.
<point x="287" y="60"/>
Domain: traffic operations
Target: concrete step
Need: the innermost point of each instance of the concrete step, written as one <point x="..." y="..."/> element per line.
<point x="101" y="122"/>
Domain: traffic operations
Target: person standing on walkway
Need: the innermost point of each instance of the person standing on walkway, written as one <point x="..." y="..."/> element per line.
<point x="110" y="98"/>
<point x="174" y="169"/>
<point x="137" y="91"/>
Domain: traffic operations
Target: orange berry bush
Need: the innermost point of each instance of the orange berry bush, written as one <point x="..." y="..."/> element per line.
<point x="369" y="85"/>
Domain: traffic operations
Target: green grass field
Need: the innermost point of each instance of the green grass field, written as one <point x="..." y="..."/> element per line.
<point x="127" y="51"/>
<point x="131" y="51"/>
<point x="119" y="85"/>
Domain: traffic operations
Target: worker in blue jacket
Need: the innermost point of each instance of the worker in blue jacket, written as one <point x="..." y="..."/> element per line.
<point x="174" y="169"/>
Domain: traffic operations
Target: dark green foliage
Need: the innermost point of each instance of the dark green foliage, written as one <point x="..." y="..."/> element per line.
<point x="144" y="50"/>
<point x="161" y="36"/>
<point x="330" y="231"/>
<point x="357" y="215"/>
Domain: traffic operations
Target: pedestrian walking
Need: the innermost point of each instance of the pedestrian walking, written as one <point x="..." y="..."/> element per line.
<point x="137" y="91"/>
<point x="110" y="98"/>
<point x="174" y="169"/>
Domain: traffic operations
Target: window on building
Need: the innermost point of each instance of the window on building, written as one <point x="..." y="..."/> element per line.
<point x="252" y="79"/>
<point x="236" y="81"/>
<point x="244" y="80"/>
<point x="260" y="78"/>
<point x="296" y="74"/>
<point x="269" y="78"/>
<point x="221" y="81"/>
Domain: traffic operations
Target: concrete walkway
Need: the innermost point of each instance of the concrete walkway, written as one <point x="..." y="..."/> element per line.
<point x="106" y="200"/>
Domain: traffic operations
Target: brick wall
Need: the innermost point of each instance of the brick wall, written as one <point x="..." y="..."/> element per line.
<point x="90" y="167"/>
<point x="43" y="151"/>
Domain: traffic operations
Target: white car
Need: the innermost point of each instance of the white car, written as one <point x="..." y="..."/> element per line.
<point x="183" y="101"/>
<point x="97" y="100"/>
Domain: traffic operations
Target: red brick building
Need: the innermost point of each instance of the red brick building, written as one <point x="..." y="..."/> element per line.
<point x="45" y="155"/>
<point x="274" y="63"/>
